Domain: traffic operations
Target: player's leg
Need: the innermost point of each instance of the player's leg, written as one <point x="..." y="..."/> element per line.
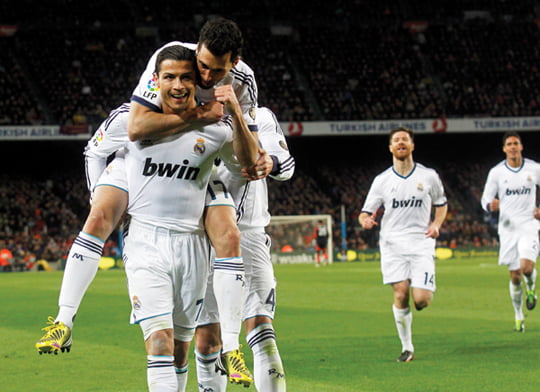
<point x="181" y="349"/>
<point x="528" y="249"/>
<point x="208" y="343"/>
<point x="516" y="295"/>
<point x="207" y="352"/>
<point x="108" y="206"/>
<point x="269" y="374"/>
<point x="509" y="256"/>
<point x="403" y="318"/>
<point x="151" y="289"/>
<point x="220" y="224"/>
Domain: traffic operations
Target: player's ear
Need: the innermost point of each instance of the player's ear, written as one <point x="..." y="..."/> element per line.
<point x="156" y="78"/>
<point x="236" y="61"/>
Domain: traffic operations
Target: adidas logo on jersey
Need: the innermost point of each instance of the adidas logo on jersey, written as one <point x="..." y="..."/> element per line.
<point x="182" y="172"/>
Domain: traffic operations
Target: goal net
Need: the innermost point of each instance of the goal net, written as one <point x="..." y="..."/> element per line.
<point x="292" y="238"/>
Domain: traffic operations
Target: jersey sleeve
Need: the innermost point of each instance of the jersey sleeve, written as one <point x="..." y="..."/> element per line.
<point x="490" y="190"/>
<point x="272" y="139"/>
<point x="374" y="198"/>
<point x="245" y="87"/>
<point x="438" y="196"/>
<point x="110" y="136"/>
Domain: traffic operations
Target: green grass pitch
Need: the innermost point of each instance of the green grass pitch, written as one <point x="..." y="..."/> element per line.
<point x="334" y="326"/>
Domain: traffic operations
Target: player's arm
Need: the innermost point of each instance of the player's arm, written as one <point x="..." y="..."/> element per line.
<point x="145" y="123"/>
<point x="488" y="200"/>
<point x="245" y="144"/>
<point x="438" y="219"/>
<point x="275" y="160"/>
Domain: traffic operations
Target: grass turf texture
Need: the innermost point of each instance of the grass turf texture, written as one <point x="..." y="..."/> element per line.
<point x="334" y="326"/>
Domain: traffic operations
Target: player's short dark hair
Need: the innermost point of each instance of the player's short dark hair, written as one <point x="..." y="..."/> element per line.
<point x="221" y="36"/>
<point x="174" y="52"/>
<point x="510" y="134"/>
<point x="400" y="129"/>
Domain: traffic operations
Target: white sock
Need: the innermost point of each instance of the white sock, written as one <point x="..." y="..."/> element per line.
<point x="181" y="378"/>
<point x="531" y="281"/>
<point x="403" y="318"/>
<point x="516" y="294"/>
<point x="267" y="365"/>
<point x="81" y="267"/>
<point x="160" y="374"/>
<point x="207" y="377"/>
<point x="229" y="284"/>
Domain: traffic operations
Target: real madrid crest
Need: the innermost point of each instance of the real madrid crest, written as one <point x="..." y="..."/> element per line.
<point x="252" y="113"/>
<point x="420" y="187"/>
<point x="199" y="147"/>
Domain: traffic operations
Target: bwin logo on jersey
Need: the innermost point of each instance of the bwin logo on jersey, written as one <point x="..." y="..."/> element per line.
<point x="182" y="172"/>
<point x="523" y="191"/>
<point x="199" y="147"/>
<point x="414" y="202"/>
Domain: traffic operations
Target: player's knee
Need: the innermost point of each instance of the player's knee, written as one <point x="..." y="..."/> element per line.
<point x="207" y="339"/>
<point x="160" y="342"/>
<point x="98" y="224"/>
<point x="228" y="244"/>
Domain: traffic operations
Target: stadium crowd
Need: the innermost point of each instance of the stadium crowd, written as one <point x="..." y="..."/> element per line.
<point x="343" y="60"/>
<point x="332" y="61"/>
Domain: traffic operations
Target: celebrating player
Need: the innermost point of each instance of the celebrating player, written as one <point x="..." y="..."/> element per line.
<point x="511" y="189"/>
<point x="407" y="191"/>
<point x="166" y="253"/>
<point x="218" y="52"/>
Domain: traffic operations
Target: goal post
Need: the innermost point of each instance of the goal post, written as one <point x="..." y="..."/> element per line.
<point x="292" y="238"/>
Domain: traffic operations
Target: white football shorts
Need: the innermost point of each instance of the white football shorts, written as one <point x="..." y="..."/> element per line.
<point x="167" y="273"/>
<point x="516" y="245"/>
<point x="114" y="174"/>
<point x="419" y="269"/>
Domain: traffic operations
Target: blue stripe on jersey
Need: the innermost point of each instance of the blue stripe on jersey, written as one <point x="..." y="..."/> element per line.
<point x="143" y="102"/>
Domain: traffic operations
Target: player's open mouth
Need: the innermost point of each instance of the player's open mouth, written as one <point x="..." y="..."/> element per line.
<point x="179" y="96"/>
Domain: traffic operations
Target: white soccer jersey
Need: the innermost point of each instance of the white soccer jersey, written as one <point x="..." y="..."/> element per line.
<point x="241" y="77"/>
<point x="516" y="191"/>
<point x="251" y="197"/>
<point x="407" y="203"/>
<point x="167" y="179"/>
<point x="110" y="136"/>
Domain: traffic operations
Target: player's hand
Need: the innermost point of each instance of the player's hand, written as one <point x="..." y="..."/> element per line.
<point x="210" y="112"/>
<point x="226" y="95"/>
<point x="494" y="205"/>
<point x="432" y="231"/>
<point x="262" y="168"/>
<point x="369" y="222"/>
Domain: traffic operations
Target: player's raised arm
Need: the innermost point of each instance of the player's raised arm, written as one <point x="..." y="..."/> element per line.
<point x="245" y="143"/>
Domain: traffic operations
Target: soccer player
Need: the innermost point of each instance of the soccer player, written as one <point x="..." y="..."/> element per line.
<point x="166" y="252"/>
<point x="220" y="68"/>
<point x="320" y="237"/>
<point x="408" y="191"/>
<point x="510" y="189"/>
<point x="218" y="56"/>
<point x="252" y="210"/>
